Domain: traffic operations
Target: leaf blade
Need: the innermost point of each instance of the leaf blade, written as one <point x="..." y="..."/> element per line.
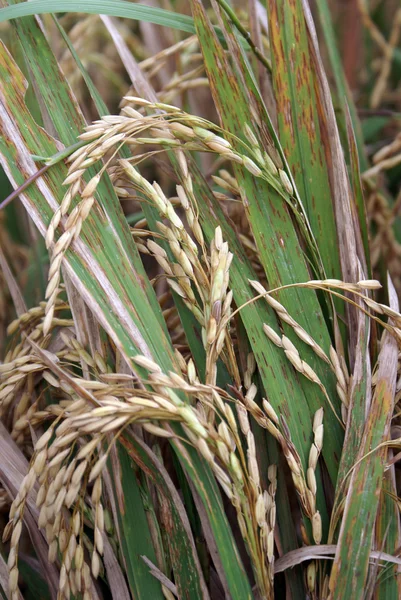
<point x="357" y="526"/>
<point x="120" y="304"/>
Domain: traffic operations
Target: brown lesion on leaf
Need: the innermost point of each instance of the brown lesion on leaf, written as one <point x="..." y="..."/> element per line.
<point x="16" y="80"/>
<point x="296" y="11"/>
<point x="287" y="117"/>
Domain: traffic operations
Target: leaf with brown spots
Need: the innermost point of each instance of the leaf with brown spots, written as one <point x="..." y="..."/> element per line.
<point x="299" y="123"/>
<point x="350" y="569"/>
<point x="104" y="272"/>
<point x="281" y="252"/>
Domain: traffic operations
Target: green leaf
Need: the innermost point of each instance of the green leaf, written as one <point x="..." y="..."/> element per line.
<point x="111" y="284"/>
<point x="301" y="117"/>
<point x="188" y="321"/>
<point x="344" y="95"/>
<point x="356" y="183"/>
<point x="366" y="480"/>
<point x="32" y="37"/>
<point x="388" y="538"/>
<point x="136" y="539"/>
<point x="187" y="573"/>
<point x="281" y="257"/>
<point x="36" y="586"/>
<point x="68" y="122"/>
<point x="114" y="8"/>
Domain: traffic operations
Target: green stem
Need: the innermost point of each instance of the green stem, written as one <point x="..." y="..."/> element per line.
<point x="231" y="14"/>
<point x="56" y="158"/>
<point x="49" y="162"/>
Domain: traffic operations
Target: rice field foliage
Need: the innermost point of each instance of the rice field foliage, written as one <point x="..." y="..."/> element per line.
<point x="199" y="300"/>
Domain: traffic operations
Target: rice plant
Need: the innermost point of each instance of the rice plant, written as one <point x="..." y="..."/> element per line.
<point x="199" y="299"/>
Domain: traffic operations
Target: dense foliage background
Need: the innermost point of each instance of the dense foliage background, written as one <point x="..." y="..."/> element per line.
<point x="200" y="272"/>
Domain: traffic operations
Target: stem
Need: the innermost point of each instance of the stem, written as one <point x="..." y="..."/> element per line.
<point x="49" y="162"/>
<point x="23" y="187"/>
<point x="55" y="158"/>
<point x="231" y="14"/>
